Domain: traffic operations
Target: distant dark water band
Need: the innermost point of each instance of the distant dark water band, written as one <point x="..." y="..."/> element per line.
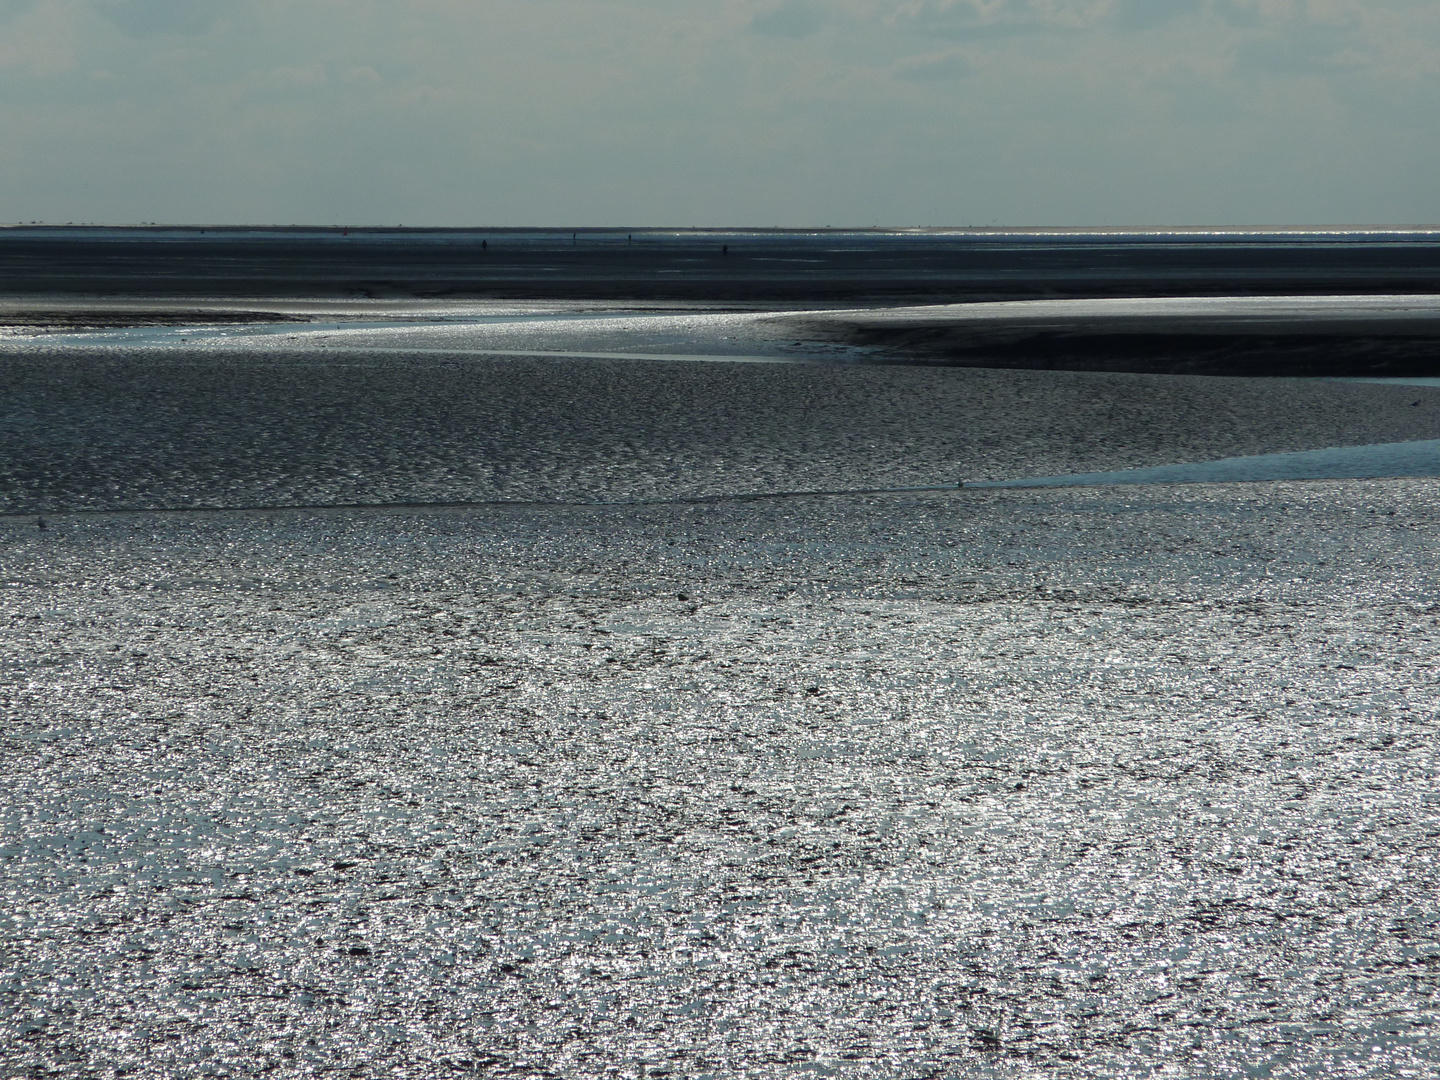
<point x="1375" y="462"/>
<point x="759" y="265"/>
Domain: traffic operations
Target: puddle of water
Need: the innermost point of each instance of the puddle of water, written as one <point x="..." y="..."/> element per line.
<point x="1332" y="463"/>
<point x="1418" y="380"/>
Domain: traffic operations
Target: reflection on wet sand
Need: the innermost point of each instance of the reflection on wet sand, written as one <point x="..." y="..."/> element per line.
<point x="1118" y="780"/>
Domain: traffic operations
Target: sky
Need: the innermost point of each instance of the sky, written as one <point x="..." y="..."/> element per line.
<point x="1138" y="113"/>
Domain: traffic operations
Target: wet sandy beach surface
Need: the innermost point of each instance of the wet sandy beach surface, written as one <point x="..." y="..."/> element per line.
<point x="1116" y="782"/>
<point x="116" y="428"/>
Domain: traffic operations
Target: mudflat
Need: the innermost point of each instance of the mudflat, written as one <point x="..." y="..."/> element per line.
<point x="1089" y="781"/>
<point x="119" y="429"/>
<point x="422" y="694"/>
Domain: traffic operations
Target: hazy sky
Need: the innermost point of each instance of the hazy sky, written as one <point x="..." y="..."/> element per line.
<point x="721" y="112"/>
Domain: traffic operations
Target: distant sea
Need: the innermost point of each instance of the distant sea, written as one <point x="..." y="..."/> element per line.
<point x="757" y="265"/>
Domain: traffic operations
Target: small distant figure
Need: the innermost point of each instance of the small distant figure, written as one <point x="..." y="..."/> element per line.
<point x="725" y="249"/>
<point x="484" y="244"/>
<point x="959" y="483"/>
<point x="40" y="523"/>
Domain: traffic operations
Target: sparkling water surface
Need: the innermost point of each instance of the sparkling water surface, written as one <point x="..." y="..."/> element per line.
<point x="1077" y="782"/>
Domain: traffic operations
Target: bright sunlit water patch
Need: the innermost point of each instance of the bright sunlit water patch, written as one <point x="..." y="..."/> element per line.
<point x="500" y="329"/>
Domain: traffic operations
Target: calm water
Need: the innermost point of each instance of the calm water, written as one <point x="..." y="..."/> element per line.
<point x="814" y="265"/>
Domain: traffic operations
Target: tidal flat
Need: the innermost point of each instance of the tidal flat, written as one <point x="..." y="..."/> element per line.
<point x="514" y="655"/>
<point x="1070" y="782"/>
<point x="275" y="424"/>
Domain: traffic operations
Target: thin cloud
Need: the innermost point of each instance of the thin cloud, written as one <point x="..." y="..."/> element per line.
<point x="802" y="111"/>
<point x="793" y="19"/>
<point x="945" y="67"/>
<point x="142" y="18"/>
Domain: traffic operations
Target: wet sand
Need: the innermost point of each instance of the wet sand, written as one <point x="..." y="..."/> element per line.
<point x="1353" y="335"/>
<point x="1125" y="781"/>
<point x="1095" y="782"/>
<point x="93" y="429"/>
<point x="972" y="288"/>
